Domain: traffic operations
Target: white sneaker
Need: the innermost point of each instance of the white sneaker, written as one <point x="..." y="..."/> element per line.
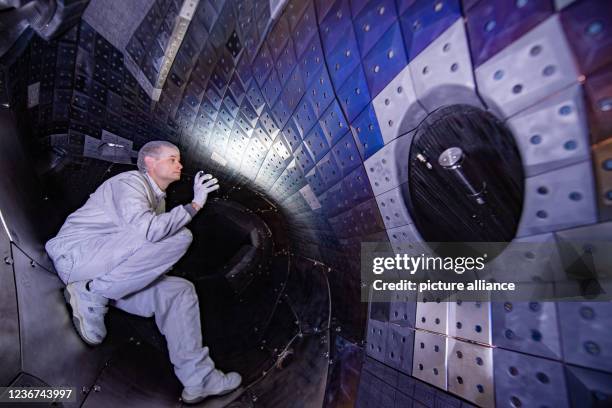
<point x="88" y="310"/>
<point x="215" y="383"/>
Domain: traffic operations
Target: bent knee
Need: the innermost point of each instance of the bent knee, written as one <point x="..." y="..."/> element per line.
<point x="184" y="236"/>
<point x="177" y="285"/>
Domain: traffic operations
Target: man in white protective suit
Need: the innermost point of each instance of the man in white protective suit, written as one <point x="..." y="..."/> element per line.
<point x="117" y="248"/>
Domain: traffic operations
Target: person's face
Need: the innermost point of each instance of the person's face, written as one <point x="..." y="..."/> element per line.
<point x="166" y="168"/>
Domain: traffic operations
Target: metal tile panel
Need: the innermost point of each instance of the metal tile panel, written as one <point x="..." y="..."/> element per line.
<point x="272" y="88"/>
<point x="385" y="60"/>
<point x="402" y="310"/>
<point x="367" y="133"/>
<point x="312" y="61"/>
<point x="588" y="388"/>
<point x="429" y="361"/>
<point x="305" y="29"/>
<point x="432" y="313"/>
<point x="522" y="380"/>
<point x="286" y="63"/>
<point x="553" y="133"/>
<point x="402" y="237"/>
<point x="493" y="26"/>
<point x="392" y="207"/>
<point x="602" y="160"/>
<point x="317" y="143"/>
<point x="346" y="154"/>
<point x="470" y="321"/>
<point x="558" y="199"/>
<point x="336" y="20"/>
<point x="388" y="168"/>
<point x="354" y="94"/>
<point x="343" y="59"/>
<point x="423" y="21"/>
<point x="400" y="343"/>
<point x="397" y="108"/>
<point x="507" y="82"/>
<point x="377" y="339"/>
<point x="320" y="93"/>
<point x="330" y="172"/>
<point x="470" y="372"/>
<point x="528" y="327"/>
<point x="585" y="333"/>
<point x="372" y="22"/>
<point x="442" y="73"/>
<point x="588" y="26"/>
<point x="333" y="123"/>
<point x="598" y="88"/>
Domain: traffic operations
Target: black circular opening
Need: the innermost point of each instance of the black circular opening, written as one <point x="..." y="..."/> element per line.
<point x="465" y="177"/>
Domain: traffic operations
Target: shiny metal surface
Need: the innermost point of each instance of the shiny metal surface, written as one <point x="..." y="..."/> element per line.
<point x="527" y="380"/>
<point x="553" y="133"/>
<point x="470" y="372"/>
<point x="506" y="82"/>
<point x="430" y="358"/>
<point x="602" y="157"/>
<point x="397" y="109"/>
<point x="388" y="168"/>
<point x="470" y="321"/>
<point x="559" y="199"/>
<point x="442" y="74"/>
<point x="392" y="208"/>
<point x="432" y="313"/>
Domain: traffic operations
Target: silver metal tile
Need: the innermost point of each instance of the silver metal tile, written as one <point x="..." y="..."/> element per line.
<point x="470" y="321"/>
<point x="397" y="108"/>
<point x="558" y="199"/>
<point x="393" y="209"/>
<point x="470" y="372"/>
<point x="431" y="313"/>
<point x="310" y="197"/>
<point x="406" y="240"/>
<point x="388" y="167"/>
<point x="429" y="360"/>
<point x="536" y="65"/>
<point x="526" y="381"/>
<point x="554" y="133"/>
<point x="442" y="73"/>
<point x="528" y="327"/>
<point x="400" y="343"/>
<point x="376" y="346"/>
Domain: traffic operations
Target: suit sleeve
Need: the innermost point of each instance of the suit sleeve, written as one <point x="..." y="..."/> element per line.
<point x="134" y="211"/>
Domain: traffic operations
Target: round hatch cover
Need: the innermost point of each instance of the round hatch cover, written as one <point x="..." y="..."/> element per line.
<point x="465" y="177"/>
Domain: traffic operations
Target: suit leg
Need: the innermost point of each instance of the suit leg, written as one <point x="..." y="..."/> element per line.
<point x="174" y="303"/>
<point x="145" y="265"/>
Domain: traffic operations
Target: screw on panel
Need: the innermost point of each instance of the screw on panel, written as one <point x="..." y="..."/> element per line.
<point x="8" y="260"/>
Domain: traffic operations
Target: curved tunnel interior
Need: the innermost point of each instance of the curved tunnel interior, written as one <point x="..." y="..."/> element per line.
<point x="329" y="124"/>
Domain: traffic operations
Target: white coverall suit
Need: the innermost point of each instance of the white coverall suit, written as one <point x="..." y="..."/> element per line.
<point x="124" y="241"/>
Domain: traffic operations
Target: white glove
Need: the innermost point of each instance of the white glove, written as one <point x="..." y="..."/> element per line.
<point x="202" y="185"/>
